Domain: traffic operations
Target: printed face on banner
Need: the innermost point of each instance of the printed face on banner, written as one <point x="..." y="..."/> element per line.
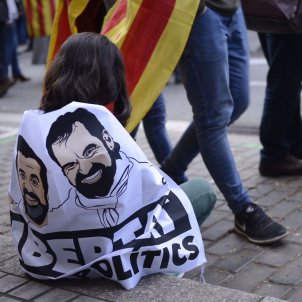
<point x="86" y="161"/>
<point x="33" y="185"/>
<point x="87" y="156"/>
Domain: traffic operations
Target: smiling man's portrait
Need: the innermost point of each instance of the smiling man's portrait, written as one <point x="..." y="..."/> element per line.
<point x="33" y="183"/>
<point x="87" y="155"/>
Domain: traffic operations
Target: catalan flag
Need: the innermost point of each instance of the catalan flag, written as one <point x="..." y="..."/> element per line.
<point x="39" y="16"/>
<point x="151" y="35"/>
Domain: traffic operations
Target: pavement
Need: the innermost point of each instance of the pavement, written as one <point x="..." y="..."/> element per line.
<point x="236" y="270"/>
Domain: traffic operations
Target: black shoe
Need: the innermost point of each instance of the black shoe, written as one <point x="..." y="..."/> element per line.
<point x="5" y="85"/>
<point x="297" y="153"/>
<point x="21" y="77"/>
<point x="257" y="227"/>
<point x="291" y="165"/>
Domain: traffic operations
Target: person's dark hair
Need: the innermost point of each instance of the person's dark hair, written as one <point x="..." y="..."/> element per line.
<point x="27" y="151"/>
<point x="61" y="129"/>
<point x="88" y="68"/>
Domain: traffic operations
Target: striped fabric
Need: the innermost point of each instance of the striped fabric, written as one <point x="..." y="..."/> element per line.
<point x="39" y="16"/>
<point x="151" y="35"/>
<point x="61" y="29"/>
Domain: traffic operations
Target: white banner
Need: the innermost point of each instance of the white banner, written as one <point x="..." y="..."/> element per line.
<point x="86" y="202"/>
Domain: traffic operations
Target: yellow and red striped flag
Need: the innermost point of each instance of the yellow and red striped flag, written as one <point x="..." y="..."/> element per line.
<point x="39" y="16"/>
<point x="151" y="35"/>
<point x="61" y="29"/>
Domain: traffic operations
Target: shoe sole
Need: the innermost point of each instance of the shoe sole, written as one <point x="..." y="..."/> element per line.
<point x="260" y="241"/>
<point x="6" y="89"/>
<point x="264" y="173"/>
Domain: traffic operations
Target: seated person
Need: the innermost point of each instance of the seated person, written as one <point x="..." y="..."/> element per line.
<point x="86" y="202"/>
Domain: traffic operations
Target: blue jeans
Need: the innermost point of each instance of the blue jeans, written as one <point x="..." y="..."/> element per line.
<point x="281" y="125"/>
<point x="21" y="30"/>
<point x="215" y="72"/>
<point x="154" y="124"/>
<point x="12" y="49"/>
<point x="3" y="52"/>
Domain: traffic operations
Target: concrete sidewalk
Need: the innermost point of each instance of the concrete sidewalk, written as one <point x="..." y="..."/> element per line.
<point x="237" y="270"/>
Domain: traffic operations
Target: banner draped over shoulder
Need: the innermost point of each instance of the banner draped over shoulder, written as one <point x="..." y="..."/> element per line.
<point x="150" y="34"/>
<point x="86" y="202"/>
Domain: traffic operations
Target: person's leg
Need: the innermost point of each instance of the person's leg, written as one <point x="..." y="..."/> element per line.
<point x="5" y="81"/>
<point x="182" y="155"/>
<point x="294" y="134"/>
<point x="264" y="46"/>
<point x="177" y="75"/>
<point x="202" y="197"/>
<point x="238" y="55"/>
<point x="16" y="72"/>
<point x="134" y="132"/>
<point x="155" y="129"/>
<point x="21" y="30"/>
<point x="206" y="78"/>
<point x="3" y="52"/>
<point x="280" y="129"/>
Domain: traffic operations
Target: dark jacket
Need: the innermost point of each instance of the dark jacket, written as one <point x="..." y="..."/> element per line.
<point x="20" y="8"/>
<point x="3" y="11"/>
